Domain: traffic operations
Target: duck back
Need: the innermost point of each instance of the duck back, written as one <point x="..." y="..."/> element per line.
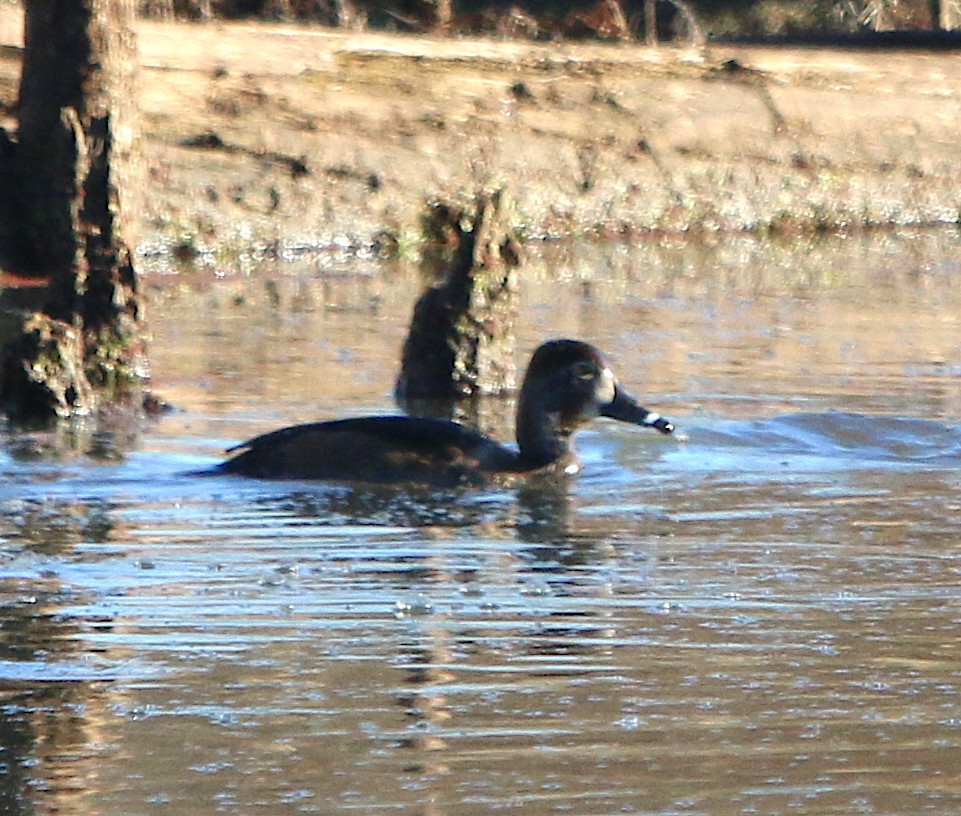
<point x="374" y="449"/>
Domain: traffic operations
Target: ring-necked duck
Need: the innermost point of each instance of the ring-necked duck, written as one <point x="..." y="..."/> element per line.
<point x="567" y="383"/>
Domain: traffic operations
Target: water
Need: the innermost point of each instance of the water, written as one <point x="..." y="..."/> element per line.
<point x="759" y="616"/>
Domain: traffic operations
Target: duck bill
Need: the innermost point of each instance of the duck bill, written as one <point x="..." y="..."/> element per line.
<point x="625" y="408"/>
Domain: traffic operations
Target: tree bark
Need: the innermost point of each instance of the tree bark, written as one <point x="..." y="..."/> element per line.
<point x="73" y="165"/>
<point x="461" y="338"/>
<point x="650" y="22"/>
<point x="943" y="14"/>
<point x="443" y="13"/>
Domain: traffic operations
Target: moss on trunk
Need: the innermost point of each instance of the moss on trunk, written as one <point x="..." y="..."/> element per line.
<point x="71" y="165"/>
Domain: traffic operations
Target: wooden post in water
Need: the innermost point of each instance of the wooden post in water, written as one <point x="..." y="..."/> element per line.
<point x="72" y="164"/>
<point x="461" y="337"/>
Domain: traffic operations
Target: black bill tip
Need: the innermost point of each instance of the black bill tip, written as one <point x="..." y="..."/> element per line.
<point x="665" y="426"/>
<point x="625" y="408"/>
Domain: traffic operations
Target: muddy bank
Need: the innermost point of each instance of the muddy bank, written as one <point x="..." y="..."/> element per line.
<point x="286" y="137"/>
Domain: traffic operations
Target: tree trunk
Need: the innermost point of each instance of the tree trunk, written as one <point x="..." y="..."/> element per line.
<point x="73" y="165"/>
<point x="943" y="13"/>
<point x="443" y="13"/>
<point x="650" y="22"/>
<point x="461" y="338"/>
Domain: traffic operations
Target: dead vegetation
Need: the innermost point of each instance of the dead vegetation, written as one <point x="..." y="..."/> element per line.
<point x="274" y="138"/>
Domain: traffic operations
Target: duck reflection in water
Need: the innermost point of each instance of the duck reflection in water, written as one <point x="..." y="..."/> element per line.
<point x="567" y="384"/>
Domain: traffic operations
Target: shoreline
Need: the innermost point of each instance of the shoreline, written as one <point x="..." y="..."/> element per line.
<point x="277" y="137"/>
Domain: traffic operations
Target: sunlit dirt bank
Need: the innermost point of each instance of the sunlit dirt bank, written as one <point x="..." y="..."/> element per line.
<point x="277" y="136"/>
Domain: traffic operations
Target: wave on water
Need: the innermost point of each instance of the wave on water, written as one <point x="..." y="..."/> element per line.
<point x="831" y="440"/>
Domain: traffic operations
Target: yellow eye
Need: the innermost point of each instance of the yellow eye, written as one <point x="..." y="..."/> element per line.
<point x="584" y="370"/>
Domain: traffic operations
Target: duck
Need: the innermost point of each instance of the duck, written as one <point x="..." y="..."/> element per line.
<point x="567" y="384"/>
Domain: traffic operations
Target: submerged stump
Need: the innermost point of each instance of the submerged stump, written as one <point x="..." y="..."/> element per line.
<point x="461" y="338"/>
<point x="43" y="368"/>
<point x="70" y="165"/>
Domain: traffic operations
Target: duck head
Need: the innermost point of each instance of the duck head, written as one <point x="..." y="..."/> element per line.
<point x="567" y="384"/>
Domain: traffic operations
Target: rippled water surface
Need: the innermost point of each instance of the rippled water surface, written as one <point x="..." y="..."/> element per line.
<point x="760" y="615"/>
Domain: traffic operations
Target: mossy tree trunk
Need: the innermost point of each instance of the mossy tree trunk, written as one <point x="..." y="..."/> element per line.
<point x="72" y="162"/>
<point x="461" y="338"/>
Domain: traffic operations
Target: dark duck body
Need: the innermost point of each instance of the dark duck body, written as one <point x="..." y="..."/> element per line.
<point x="567" y="384"/>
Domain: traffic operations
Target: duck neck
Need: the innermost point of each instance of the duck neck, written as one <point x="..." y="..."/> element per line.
<point x="541" y="435"/>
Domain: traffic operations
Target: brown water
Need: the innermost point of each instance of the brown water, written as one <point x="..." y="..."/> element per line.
<point x="761" y="615"/>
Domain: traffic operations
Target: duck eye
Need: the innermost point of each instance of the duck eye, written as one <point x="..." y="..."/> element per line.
<point x="584" y="371"/>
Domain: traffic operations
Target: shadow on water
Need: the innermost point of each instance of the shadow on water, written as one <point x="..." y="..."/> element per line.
<point x="759" y="616"/>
